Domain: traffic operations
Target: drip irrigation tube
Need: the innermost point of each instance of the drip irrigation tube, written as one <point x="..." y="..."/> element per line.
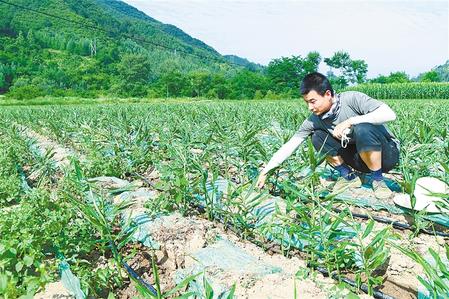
<point x="137" y="277"/>
<point x="140" y="279"/>
<point x="376" y="293"/>
<point x="363" y="287"/>
<point x="396" y="224"/>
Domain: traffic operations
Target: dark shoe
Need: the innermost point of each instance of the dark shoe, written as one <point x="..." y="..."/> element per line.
<point x="343" y="184"/>
<point x="381" y="190"/>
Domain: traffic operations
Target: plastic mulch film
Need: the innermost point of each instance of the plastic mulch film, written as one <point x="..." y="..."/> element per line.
<point x="373" y="203"/>
<point x="219" y="261"/>
<point x="439" y="218"/>
<point x="262" y="215"/>
<point x="134" y="217"/>
<point x="142" y="223"/>
<point x="70" y="281"/>
<point x="423" y="292"/>
<point x="271" y="229"/>
<point x="214" y="193"/>
<point x="137" y="219"/>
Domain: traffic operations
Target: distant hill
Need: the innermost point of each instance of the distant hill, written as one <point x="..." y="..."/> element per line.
<point x="244" y="62"/>
<point x="109" y="15"/>
<point x="92" y="44"/>
<point x="441" y="70"/>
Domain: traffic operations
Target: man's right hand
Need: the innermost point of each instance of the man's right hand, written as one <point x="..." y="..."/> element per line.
<point x="261" y="180"/>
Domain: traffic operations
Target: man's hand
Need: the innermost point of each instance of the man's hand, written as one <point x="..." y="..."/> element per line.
<point x="261" y="180"/>
<point x="338" y="131"/>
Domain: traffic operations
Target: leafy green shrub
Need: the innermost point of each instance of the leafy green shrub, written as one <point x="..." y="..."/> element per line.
<point x="26" y="92"/>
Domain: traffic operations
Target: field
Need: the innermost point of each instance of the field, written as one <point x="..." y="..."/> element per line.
<point x="75" y="179"/>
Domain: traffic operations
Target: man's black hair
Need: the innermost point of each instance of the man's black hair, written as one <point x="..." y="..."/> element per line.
<point x="316" y="81"/>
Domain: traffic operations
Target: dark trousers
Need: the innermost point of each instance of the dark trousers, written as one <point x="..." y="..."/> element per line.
<point x="363" y="138"/>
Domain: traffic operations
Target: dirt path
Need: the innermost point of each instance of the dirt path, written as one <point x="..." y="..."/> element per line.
<point x="61" y="155"/>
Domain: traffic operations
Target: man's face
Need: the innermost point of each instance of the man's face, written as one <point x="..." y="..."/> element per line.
<point x="317" y="103"/>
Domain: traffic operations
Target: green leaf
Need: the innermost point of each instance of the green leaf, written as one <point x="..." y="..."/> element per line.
<point x="368" y="228"/>
<point x="156" y="277"/>
<point x="425" y="283"/>
<point x="447" y="250"/>
<point x="3" y="282"/>
<point x="181" y="285"/>
<point x="231" y="292"/>
<point x="19" y="266"/>
<point x="28" y="260"/>
<point x="209" y="292"/>
<point x="351" y="295"/>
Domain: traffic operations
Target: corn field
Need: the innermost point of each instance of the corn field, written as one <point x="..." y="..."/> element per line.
<point x="406" y="91"/>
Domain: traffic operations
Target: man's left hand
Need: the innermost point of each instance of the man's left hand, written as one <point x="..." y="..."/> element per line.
<point x="338" y="131"/>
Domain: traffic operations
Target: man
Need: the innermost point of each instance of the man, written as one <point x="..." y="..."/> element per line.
<point x="349" y="129"/>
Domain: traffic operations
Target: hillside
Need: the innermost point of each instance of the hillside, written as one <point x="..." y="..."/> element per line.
<point x="92" y="46"/>
<point x="439" y="73"/>
<point x="443" y="71"/>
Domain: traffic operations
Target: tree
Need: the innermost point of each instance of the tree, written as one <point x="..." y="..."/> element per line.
<point x="200" y="82"/>
<point x="173" y="83"/>
<point x="245" y="83"/>
<point x="351" y="71"/>
<point x="7" y="74"/>
<point x="337" y="82"/>
<point x="360" y="68"/>
<point x="258" y="95"/>
<point x="285" y="74"/>
<point x="396" y="77"/>
<point x="134" y="72"/>
<point x="431" y="76"/>
<point x="310" y="63"/>
<point x="220" y="86"/>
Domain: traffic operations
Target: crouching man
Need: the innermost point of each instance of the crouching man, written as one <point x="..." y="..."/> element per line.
<point x="349" y="128"/>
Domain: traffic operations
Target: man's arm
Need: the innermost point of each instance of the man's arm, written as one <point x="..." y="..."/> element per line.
<point x="379" y="116"/>
<point x="286" y="150"/>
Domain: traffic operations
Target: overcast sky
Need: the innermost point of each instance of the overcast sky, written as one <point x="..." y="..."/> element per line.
<point x="410" y="36"/>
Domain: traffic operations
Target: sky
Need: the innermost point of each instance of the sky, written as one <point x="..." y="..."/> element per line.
<point x="390" y="36"/>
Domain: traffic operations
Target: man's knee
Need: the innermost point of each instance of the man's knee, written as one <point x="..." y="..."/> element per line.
<point x="363" y="129"/>
<point x="368" y="137"/>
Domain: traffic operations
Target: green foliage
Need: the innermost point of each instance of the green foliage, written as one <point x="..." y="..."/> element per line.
<point x="122" y="59"/>
<point x="431" y="76"/>
<point x="26" y="92"/>
<point x="404" y="90"/>
<point x="245" y="83"/>
<point x="396" y="77"/>
<point x="134" y="72"/>
<point x="33" y="229"/>
<point x="210" y="143"/>
<point x="351" y="71"/>
<point x="286" y="73"/>
<point x="372" y="255"/>
<point x="435" y="268"/>
<point x="442" y="73"/>
<point x="66" y="59"/>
